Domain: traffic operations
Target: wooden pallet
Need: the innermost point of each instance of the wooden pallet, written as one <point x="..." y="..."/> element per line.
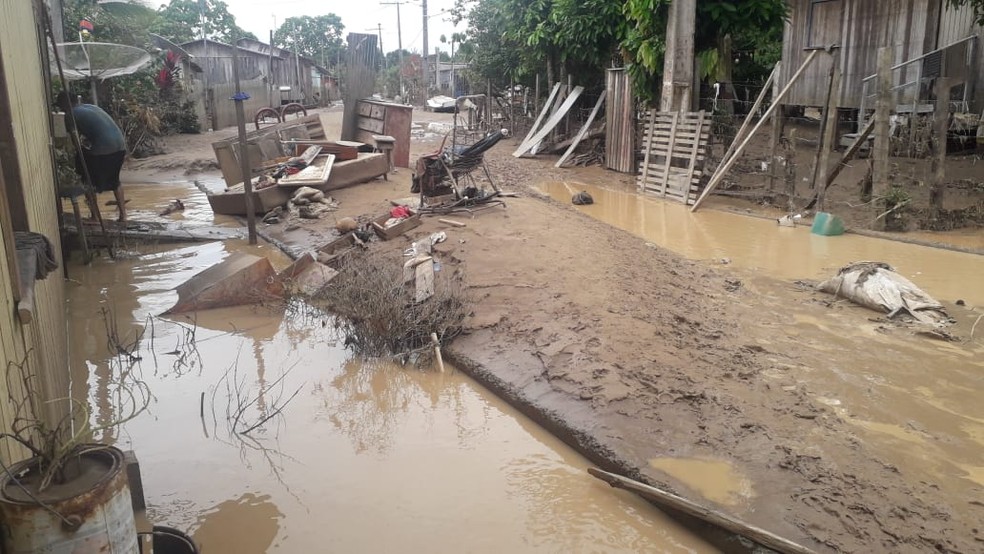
<point x="674" y="151"/>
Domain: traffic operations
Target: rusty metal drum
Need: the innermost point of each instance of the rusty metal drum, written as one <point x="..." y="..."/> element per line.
<point x="89" y="513"/>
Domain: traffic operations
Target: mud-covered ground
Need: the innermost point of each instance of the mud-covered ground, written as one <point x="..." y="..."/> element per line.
<point x="634" y="355"/>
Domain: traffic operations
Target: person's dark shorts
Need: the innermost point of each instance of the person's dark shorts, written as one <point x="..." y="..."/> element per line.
<point x="104" y="170"/>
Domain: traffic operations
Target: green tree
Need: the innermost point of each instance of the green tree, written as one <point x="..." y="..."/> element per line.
<point x="319" y="37"/>
<point x="756" y="25"/>
<point x="978" y="6"/>
<point x="182" y="21"/>
<point x="119" y="22"/>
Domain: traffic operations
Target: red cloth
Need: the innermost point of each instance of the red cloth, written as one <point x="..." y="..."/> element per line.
<point x="400" y="212"/>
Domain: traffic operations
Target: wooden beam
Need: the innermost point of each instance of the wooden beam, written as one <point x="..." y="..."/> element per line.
<point x="941" y="123"/>
<point x="244" y="157"/>
<point x="543" y="112"/>
<point x="727" y="522"/>
<point x="554" y="120"/>
<point x="828" y="135"/>
<point x="722" y="170"/>
<point x="752" y="112"/>
<point x="648" y="146"/>
<point x="778" y="121"/>
<point x="883" y="140"/>
<point x="584" y="129"/>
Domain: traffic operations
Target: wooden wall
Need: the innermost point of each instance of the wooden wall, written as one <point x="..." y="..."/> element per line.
<point x="43" y="343"/>
<point x="861" y="27"/>
<point x="957" y="24"/>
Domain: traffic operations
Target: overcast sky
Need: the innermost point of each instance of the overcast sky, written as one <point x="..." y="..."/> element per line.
<point x="358" y="16"/>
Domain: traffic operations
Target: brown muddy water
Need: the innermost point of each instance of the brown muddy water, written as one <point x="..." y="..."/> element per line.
<point x="766" y="248"/>
<point x="367" y="457"/>
<point x="914" y="401"/>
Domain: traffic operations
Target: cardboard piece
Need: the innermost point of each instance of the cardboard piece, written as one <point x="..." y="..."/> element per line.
<point x="240" y="279"/>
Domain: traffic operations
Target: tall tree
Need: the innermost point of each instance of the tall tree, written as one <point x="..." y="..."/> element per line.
<point x="977" y="5"/>
<point x="319" y="37"/>
<point x="182" y="21"/>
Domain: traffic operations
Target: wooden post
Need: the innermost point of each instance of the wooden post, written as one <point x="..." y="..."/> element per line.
<point x="512" y="109"/>
<point x="678" y="64"/>
<point x="882" y="149"/>
<point x="536" y="95"/>
<point x="941" y="121"/>
<point x="828" y="138"/>
<point x="717" y="518"/>
<point x="243" y="150"/>
<point x="751" y="114"/>
<point x="778" y="122"/>
<point x="726" y="166"/>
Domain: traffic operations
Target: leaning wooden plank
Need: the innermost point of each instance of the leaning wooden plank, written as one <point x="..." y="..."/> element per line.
<point x="539" y="117"/>
<point x="672" y="137"/>
<point x="755" y="108"/>
<point x="584" y="129"/>
<point x="776" y="102"/>
<point x="648" y="147"/>
<point x="551" y="123"/>
<point x="691" y="183"/>
<point x="852" y="151"/>
<point x="703" y="513"/>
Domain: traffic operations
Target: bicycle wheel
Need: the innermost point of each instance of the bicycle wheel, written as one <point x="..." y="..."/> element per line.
<point x="263" y="115"/>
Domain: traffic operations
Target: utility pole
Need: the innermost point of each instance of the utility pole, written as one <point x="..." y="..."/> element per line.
<point x="423" y="62"/>
<point x="399" y="42"/>
<point x="379" y="32"/>
<point x="678" y="64"/>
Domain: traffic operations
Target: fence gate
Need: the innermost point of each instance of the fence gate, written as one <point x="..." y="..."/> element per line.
<point x="620" y="124"/>
<point x="674" y="151"/>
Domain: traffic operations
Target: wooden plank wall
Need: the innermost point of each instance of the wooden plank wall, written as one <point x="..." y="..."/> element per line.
<point x="620" y="122"/>
<point x="861" y="27"/>
<point x="956" y="24"/>
<point x="44" y="341"/>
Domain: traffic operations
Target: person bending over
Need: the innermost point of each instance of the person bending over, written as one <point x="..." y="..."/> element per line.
<point x="103" y="149"/>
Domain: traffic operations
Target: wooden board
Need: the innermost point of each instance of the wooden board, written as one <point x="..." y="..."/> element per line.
<point x="314" y="175"/>
<point x="584" y="129"/>
<point x="539" y="118"/>
<point x="673" y="154"/>
<point x="551" y="123"/>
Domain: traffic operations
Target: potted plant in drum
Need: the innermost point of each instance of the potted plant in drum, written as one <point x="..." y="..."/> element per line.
<point x="71" y="495"/>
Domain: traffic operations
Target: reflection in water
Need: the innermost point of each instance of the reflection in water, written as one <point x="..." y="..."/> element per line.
<point x="780" y="252"/>
<point x="246" y="525"/>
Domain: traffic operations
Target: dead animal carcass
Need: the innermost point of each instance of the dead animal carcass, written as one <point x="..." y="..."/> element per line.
<point x="877" y="286"/>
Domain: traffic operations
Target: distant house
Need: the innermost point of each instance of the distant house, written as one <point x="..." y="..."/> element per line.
<point x="34" y="338"/>
<point x="270" y="80"/>
<point x="928" y="39"/>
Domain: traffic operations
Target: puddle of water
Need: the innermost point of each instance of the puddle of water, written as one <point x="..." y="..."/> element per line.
<point x="780" y="252"/>
<point x="366" y="457"/>
<point x="715" y="480"/>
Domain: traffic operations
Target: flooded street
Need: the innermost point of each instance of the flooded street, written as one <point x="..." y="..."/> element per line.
<point x="913" y="400"/>
<point x="366" y="457"/>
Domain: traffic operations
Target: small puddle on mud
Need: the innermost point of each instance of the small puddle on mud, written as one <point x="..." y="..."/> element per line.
<point x="715" y="480"/>
<point x="780" y="252"/>
<point x="368" y="457"/>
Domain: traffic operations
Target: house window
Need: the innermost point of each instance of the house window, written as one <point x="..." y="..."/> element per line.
<point x="823" y="23"/>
